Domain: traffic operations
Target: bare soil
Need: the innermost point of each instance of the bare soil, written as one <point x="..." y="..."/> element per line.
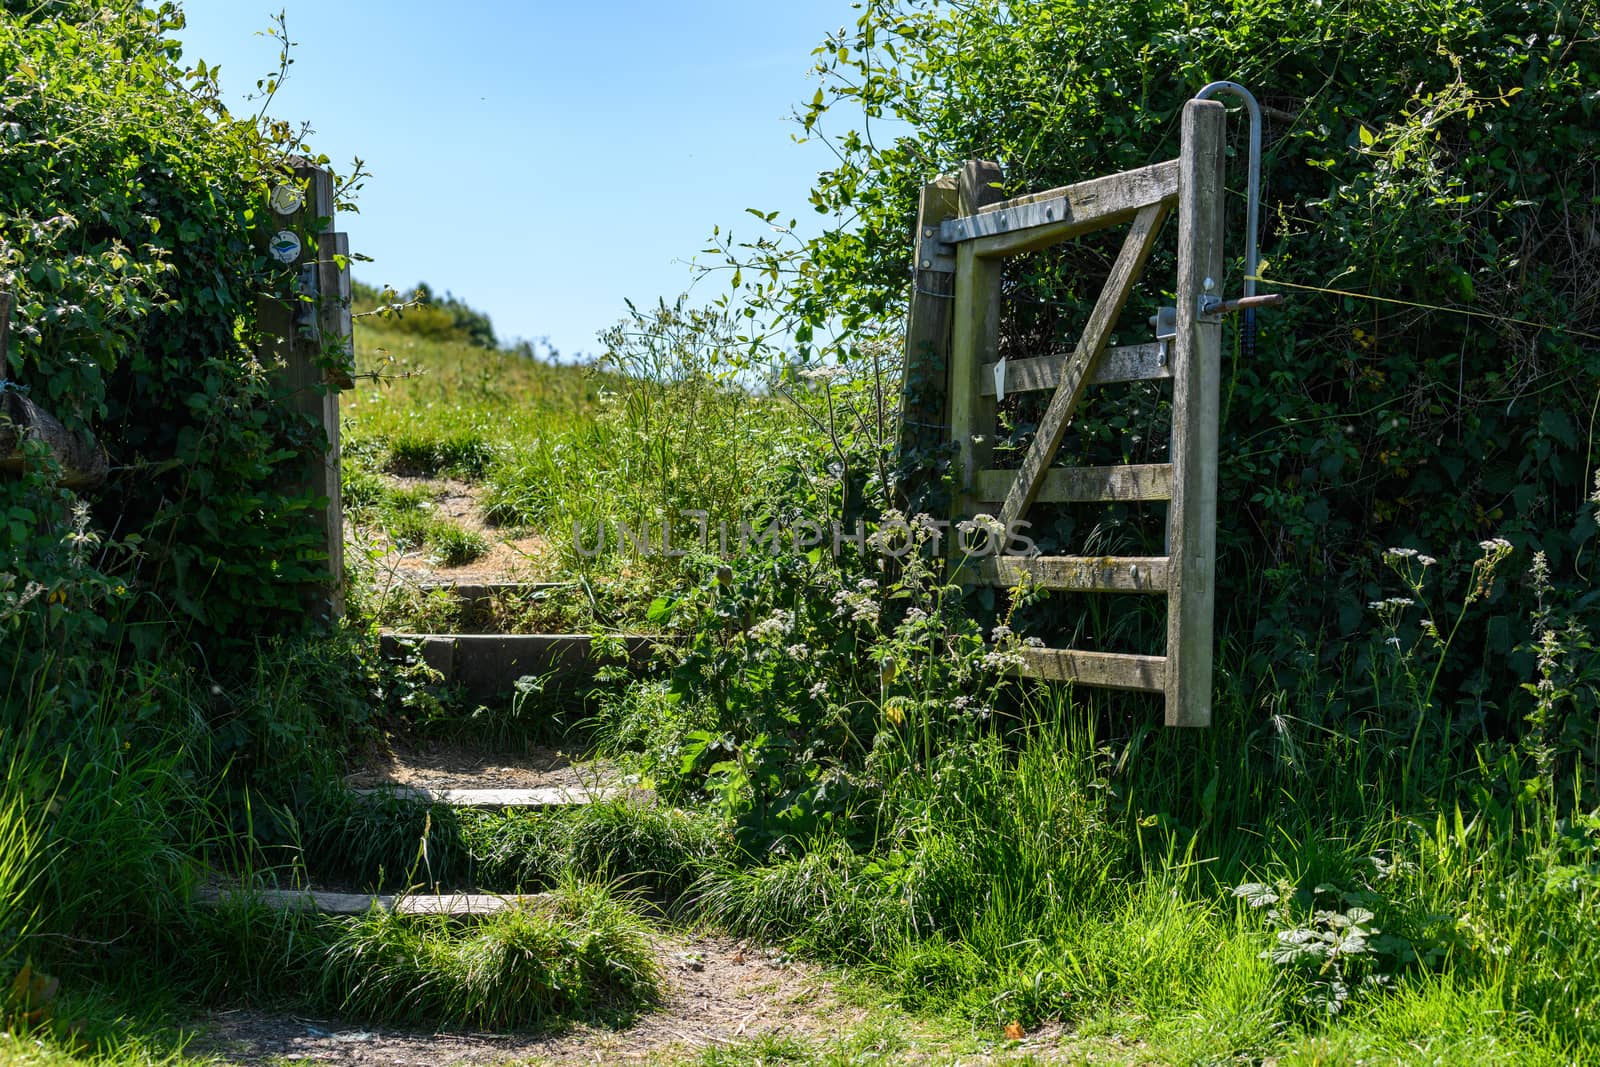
<point x="718" y="992"/>
<point x="510" y="558"/>
<point x="464" y="765"/>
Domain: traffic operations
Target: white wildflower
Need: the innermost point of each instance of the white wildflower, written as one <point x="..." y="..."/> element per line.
<point x="997" y="660"/>
<point x="824" y="372"/>
<point x="779" y="622"/>
<point x="859" y="606"/>
<point x="818" y="691"/>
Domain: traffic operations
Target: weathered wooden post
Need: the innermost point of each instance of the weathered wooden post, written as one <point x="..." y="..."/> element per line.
<point x="925" y="384"/>
<point x="1196" y="383"/>
<point x="974" y="337"/>
<point x="307" y="342"/>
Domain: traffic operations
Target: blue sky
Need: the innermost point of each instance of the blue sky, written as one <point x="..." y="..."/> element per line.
<point x="542" y="161"/>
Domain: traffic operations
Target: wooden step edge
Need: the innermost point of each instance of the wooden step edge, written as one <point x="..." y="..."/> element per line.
<point x="1104" y="670"/>
<point x="536" y="797"/>
<point x="1078" y="574"/>
<point x="458" y="905"/>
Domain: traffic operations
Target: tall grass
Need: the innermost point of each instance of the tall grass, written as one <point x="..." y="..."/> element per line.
<point x="581" y="954"/>
<point x="20" y="858"/>
<point x="1061" y="875"/>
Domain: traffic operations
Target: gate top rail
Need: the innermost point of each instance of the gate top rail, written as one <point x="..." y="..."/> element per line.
<point x="1069" y="210"/>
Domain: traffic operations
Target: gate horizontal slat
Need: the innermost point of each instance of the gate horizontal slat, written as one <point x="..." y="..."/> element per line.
<point x="1043" y="219"/>
<point x="1125" y="363"/>
<point x="1078" y="574"/>
<point x="1084" y="485"/>
<point x="1110" y="670"/>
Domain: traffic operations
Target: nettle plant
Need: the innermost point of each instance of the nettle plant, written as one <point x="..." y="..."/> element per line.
<point x="1418" y="632"/>
<point x="820" y="678"/>
<point x="1331" y="940"/>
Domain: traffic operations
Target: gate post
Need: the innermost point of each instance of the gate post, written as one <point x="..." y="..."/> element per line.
<point x="307" y="343"/>
<point x="1197" y="373"/>
<point x="974" y="338"/>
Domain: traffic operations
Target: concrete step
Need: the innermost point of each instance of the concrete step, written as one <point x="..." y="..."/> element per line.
<point x="459" y="905"/>
<point x="549" y="796"/>
<point x="487" y="666"/>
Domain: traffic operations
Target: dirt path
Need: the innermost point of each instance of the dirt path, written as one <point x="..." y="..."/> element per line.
<point x="719" y="992"/>
<point x="464" y="765"/>
<point x="510" y="558"/>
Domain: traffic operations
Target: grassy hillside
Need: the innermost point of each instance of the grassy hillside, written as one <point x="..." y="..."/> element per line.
<point x="649" y="432"/>
<point x="432" y="406"/>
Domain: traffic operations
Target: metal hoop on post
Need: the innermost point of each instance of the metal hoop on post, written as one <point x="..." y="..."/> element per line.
<point x="1252" y="198"/>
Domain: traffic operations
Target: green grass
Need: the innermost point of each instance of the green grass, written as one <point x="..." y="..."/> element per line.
<point x="1069" y="863"/>
<point x="582" y="955"/>
<point x="405" y="515"/>
<point x="453" y="545"/>
<point x="556" y="446"/>
<point x="452" y="407"/>
<point x="393" y="842"/>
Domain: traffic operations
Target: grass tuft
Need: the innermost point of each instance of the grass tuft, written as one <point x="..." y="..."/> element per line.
<point x="582" y="954"/>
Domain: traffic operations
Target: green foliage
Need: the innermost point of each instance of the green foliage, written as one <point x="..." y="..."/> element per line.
<point x="385" y="842"/>
<point x="1429" y="153"/>
<point x="462" y="452"/>
<point x="422" y="314"/>
<point x="654" y="850"/>
<point x="819" y="679"/>
<point x="19" y="857"/>
<point x="454" y="546"/>
<point x="520" y="969"/>
<point x="582" y="954"/>
<point x="1330" y="938"/>
<point x="674" y="436"/>
<point x="127" y="212"/>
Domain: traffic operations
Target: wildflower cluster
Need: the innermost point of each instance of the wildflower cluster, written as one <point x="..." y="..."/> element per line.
<point x="820" y="679"/>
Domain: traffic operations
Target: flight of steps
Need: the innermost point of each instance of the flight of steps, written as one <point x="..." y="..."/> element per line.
<point x="486" y="667"/>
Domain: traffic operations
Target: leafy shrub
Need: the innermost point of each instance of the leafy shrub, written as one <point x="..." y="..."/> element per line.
<point x="127" y="216"/>
<point x="1431" y="154"/>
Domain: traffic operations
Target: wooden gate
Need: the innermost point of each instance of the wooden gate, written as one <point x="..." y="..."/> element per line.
<point x="963" y="237"/>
